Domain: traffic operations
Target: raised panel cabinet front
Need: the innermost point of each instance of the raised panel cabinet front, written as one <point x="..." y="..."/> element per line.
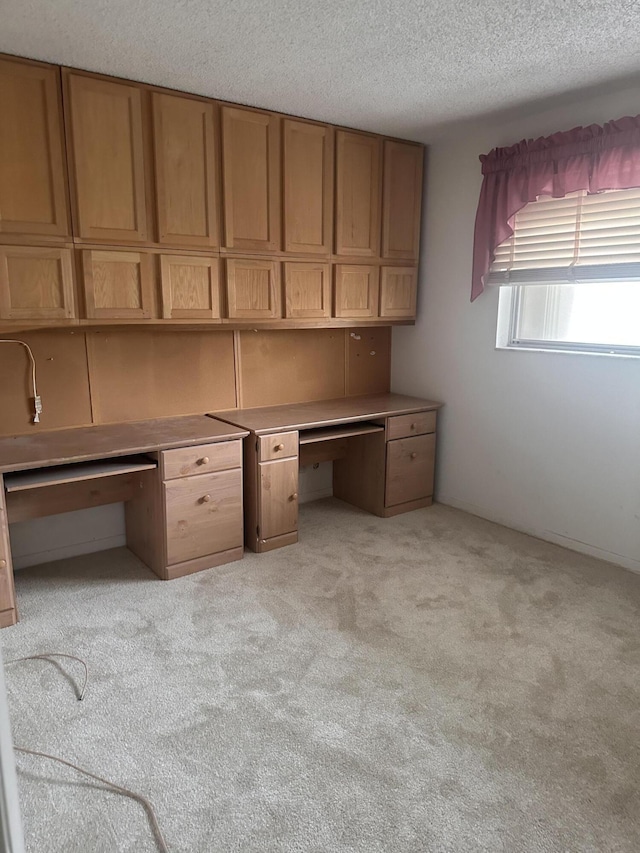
<point x="308" y="187"/>
<point x="186" y="170"/>
<point x="307" y="290"/>
<point x="190" y="287"/>
<point x="108" y="159"/>
<point x="33" y="179"/>
<point x="356" y="291"/>
<point x="253" y="289"/>
<point x="204" y="515"/>
<point x="117" y="284"/>
<point x="398" y="291"/>
<point x="251" y="179"/>
<point x="358" y="191"/>
<point x="36" y="283"/>
<point x="410" y="469"/>
<point x="278" y="497"/>
<point x="402" y="200"/>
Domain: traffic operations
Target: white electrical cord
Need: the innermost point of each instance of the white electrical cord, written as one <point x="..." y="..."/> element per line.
<point x="37" y="402"/>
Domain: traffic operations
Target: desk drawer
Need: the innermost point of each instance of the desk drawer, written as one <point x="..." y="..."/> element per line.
<point x="277" y="446"/>
<point x="410" y="468"/>
<point x="204" y="515"/>
<point x="404" y="426"/>
<point x="201" y="459"/>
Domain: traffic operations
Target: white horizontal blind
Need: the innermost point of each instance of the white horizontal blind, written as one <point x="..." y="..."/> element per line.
<point x="574" y="239"/>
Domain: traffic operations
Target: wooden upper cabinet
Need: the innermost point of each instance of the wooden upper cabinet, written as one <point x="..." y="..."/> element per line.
<point x="33" y="179"/>
<point x="117" y="284"/>
<point x="251" y="179"/>
<point x="307" y="289"/>
<point x="308" y="187"/>
<point x="398" y="290"/>
<point x="357" y="289"/>
<point x="186" y="162"/>
<point x="402" y="200"/>
<point x="108" y="159"/>
<point x="190" y="287"/>
<point x="253" y="289"/>
<point x="36" y="283"/>
<point x="358" y="191"/>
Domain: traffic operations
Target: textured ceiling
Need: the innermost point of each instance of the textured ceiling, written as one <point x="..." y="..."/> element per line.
<point x="397" y="66"/>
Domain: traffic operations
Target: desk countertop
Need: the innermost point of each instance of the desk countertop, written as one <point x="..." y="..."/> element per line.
<point x="324" y="412"/>
<point x="60" y="447"/>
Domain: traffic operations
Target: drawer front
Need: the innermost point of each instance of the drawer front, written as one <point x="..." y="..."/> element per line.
<point x="201" y="459"/>
<point x="277" y="446"/>
<point x="204" y="515"/>
<point x="410" y="468"/>
<point x="404" y="426"/>
<point x="278" y="498"/>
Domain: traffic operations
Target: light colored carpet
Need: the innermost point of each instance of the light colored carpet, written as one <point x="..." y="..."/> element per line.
<point x="432" y="682"/>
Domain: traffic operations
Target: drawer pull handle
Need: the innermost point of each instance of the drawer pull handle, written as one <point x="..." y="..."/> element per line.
<point x="3" y="564"/>
<point x="293" y="497"/>
<point x="205" y="499"/>
<point x="414" y="455"/>
<point x="279" y="447"/>
<point x="203" y="461"/>
<point x="414" y="426"/>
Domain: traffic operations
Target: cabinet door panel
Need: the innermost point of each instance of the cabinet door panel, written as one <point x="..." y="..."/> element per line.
<point x="356" y="290"/>
<point x="278" y="500"/>
<point x="117" y="284"/>
<point x="307" y="290"/>
<point x="358" y="190"/>
<point x="108" y="156"/>
<point x="308" y="187"/>
<point x="190" y="287"/>
<point x="36" y="283"/>
<point x="7" y="593"/>
<point x="410" y="469"/>
<point x="398" y="291"/>
<point x="186" y="168"/>
<point x="33" y="181"/>
<point x="402" y="200"/>
<point x="204" y="515"/>
<point x="251" y="179"/>
<point x="253" y="289"/>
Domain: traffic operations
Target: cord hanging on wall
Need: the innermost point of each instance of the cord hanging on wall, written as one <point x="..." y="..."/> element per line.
<point x="37" y="401"/>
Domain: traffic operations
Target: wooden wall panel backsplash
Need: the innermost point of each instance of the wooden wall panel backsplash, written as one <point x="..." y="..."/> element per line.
<point x="291" y="365"/>
<point x="368" y="358"/>
<point x="62" y="378"/>
<point x="137" y="375"/>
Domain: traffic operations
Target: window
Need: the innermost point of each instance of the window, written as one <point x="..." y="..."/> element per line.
<point x="570" y="275"/>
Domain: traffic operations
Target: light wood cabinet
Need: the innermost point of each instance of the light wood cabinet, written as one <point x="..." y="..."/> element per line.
<point x="36" y="283"/>
<point x="251" y="179"/>
<point x="278" y="497"/>
<point x="108" y="159"/>
<point x="33" y="179"/>
<point x="356" y="291"/>
<point x="190" y="287"/>
<point x="307" y="289"/>
<point x="253" y="289"/>
<point x="402" y="200"/>
<point x="186" y="167"/>
<point x="410" y="469"/>
<point x="308" y="187"/>
<point x="117" y="284"/>
<point x="398" y="292"/>
<point x="8" y="613"/>
<point x="358" y="192"/>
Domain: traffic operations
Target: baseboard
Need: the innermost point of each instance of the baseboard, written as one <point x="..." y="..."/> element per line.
<point x="23" y="561"/>
<point x="546" y="535"/>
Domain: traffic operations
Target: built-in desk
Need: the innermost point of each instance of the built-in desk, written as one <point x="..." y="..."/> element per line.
<point x="382" y="448"/>
<point x="180" y="479"/>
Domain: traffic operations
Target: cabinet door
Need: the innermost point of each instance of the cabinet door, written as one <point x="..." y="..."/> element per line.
<point x="278" y="497"/>
<point x="358" y="190"/>
<point x="307" y="289"/>
<point x="108" y="157"/>
<point x="186" y="170"/>
<point x="33" y="182"/>
<point x="308" y="187"/>
<point x="190" y="287"/>
<point x="204" y="515"/>
<point x="410" y="468"/>
<point x="251" y="179"/>
<point x="402" y="200"/>
<point x="398" y="290"/>
<point x="36" y="283"/>
<point x="117" y="284"/>
<point x="356" y="290"/>
<point x="253" y="289"/>
<point x="8" y="614"/>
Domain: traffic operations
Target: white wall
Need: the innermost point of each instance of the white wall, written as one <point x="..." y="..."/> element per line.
<point x="542" y="442"/>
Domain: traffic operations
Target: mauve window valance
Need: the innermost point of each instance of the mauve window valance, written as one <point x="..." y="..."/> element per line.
<point x="593" y="158"/>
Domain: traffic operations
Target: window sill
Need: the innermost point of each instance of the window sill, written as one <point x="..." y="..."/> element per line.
<point x="571" y="349"/>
